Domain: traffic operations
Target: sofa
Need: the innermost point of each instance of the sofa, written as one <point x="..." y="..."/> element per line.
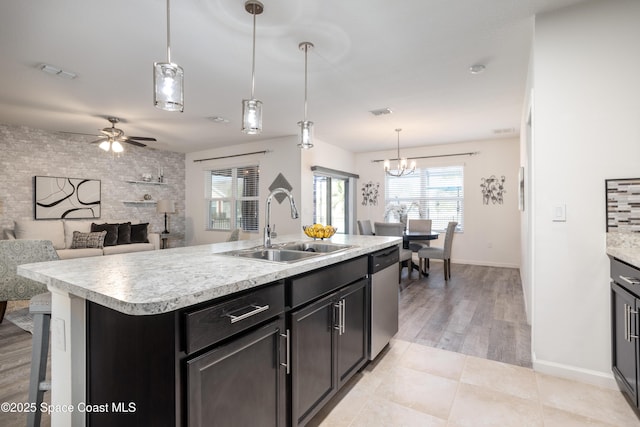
<point x="85" y="238"/>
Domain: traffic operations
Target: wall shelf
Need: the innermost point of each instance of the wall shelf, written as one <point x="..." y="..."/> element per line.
<point x="140" y="202"/>
<point x="146" y="182"/>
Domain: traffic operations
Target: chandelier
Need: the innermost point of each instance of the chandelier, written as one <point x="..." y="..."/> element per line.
<point x="401" y="166"/>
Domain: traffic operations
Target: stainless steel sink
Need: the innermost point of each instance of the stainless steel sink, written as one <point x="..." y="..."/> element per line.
<point x="272" y="254"/>
<point x="288" y="252"/>
<point x="320" y="247"/>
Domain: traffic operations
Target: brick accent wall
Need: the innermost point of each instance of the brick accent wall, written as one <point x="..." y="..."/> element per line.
<point x="26" y="152"/>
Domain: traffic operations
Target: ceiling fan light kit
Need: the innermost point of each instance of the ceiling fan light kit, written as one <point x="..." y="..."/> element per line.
<point x="168" y="79"/>
<point x="252" y="108"/>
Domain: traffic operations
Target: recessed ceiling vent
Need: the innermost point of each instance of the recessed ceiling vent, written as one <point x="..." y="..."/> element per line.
<point x="381" y="111"/>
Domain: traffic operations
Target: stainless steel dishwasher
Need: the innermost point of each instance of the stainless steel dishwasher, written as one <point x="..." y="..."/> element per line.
<point x="383" y="273"/>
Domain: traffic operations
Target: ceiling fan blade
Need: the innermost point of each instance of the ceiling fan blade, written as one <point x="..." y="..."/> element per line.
<point x="142" y="138"/>
<point x="136" y="143"/>
<point x="99" y="140"/>
<point x="77" y="133"/>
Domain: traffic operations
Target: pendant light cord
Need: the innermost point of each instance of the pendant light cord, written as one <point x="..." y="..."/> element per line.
<point x="306" y="49"/>
<point x="253" y="56"/>
<point x="398" y="132"/>
<point x="168" y="33"/>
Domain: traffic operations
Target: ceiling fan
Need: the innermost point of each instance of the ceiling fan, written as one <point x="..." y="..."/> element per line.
<point x="112" y="137"/>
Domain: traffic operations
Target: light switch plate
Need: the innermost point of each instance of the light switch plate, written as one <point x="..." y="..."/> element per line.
<point x="560" y="213"/>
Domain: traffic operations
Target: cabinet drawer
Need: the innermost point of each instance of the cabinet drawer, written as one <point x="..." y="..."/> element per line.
<point x="307" y="287"/>
<point x="214" y="323"/>
<point x="626" y="276"/>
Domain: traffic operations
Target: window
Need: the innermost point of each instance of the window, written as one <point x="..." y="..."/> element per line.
<point x="232" y="200"/>
<point x="435" y="193"/>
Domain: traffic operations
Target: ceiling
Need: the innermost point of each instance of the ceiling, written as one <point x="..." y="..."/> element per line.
<point x="412" y="56"/>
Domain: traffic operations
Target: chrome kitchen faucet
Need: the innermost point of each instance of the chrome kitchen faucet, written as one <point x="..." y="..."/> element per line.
<point x="294" y="213"/>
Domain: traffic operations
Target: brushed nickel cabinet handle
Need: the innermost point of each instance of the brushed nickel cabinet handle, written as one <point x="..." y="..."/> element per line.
<point x="257" y="310"/>
<point x="287" y="337"/>
<point x="343" y="321"/>
<point x="630" y="280"/>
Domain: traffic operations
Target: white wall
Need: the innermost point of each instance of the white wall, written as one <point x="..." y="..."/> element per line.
<point x="492" y="232"/>
<point x="586" y="129"/>
<point x="283" y="156"/>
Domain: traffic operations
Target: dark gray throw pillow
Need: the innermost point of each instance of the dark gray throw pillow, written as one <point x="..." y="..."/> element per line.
<point x="139" y="233"/>
<point x="124" y="233"/>
<point x="111" y="238"/>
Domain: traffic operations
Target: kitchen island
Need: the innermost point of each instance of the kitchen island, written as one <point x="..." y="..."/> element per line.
<point x="133" y="323"/>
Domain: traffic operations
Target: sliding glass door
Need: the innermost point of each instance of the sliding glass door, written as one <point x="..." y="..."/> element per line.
<point x="331" y="201"/>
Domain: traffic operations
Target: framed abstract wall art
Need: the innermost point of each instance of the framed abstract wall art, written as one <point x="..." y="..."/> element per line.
<point x="58" y="197"/>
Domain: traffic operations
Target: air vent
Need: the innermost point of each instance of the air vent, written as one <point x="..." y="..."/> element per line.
<point x="381" y="111"/>
<point x="503" y="131"/>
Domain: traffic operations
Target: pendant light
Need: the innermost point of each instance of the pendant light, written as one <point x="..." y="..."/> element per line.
<point x="401" y="166"/>
<point x="252" y="108"/>
<point x="306" y="127"/>
<point x="168" y="79"/>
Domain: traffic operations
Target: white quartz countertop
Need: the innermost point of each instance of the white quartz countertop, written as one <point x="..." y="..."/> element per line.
<point x="153" y="282"/>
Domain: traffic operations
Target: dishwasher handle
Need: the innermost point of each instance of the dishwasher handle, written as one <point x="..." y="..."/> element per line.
<point x="383" y="259"/>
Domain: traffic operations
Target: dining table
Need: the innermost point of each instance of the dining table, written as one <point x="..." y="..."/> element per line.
<point x="408" y="236"/>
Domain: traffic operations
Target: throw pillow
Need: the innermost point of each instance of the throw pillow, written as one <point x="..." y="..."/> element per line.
<point x="139" y="233"/>
<point x="124" y="233"/>
<point x="88" y="240"/>
<point x="112" y="232"/>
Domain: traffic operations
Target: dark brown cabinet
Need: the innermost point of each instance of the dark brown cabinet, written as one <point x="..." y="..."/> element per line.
<point x="269" y="356"/>
<point x="625" y="346"/>
<point x="242" y="383"/>
<point x="328" y="346"/>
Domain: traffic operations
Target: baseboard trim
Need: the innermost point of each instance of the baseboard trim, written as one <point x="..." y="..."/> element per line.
<point x="484" y="263"/>
<point x="588" y="376"/>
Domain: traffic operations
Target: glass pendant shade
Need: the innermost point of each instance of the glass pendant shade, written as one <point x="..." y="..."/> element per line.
<point x="251" y="116"/>
<point x="306" y="134"/>
<point x="168" y="82"/>
<point x="105" y="145"/>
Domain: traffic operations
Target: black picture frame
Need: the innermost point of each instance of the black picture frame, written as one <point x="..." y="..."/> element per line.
<point x="66" y="198"/>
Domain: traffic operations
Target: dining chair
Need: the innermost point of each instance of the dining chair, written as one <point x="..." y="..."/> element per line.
<point x="443" y="253"/>
<point x="422" y="225"/>
<point x="364" y="227"/>
<point x="395" y="229"/>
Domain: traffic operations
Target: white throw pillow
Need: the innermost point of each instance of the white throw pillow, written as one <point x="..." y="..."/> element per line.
<point x="41" y="230"/>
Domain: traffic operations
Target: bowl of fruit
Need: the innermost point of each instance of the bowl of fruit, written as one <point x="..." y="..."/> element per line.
<point x="319" y="231"/>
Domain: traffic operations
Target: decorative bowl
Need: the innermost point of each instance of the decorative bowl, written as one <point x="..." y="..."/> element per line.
<point x="319" y="231"/>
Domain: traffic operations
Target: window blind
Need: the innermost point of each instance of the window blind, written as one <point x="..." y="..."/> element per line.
<point x="435" y="193"/>
<point x="233" y="198"/>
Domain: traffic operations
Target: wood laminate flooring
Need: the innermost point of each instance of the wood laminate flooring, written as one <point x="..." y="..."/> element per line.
<point x="479" y="312"/>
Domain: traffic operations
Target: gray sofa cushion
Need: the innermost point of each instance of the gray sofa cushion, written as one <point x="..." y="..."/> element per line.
<point x="78" y="253"/>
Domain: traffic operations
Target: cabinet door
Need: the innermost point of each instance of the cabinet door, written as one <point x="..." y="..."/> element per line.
<point x="240" y="383"/>
<point x="313" y="358"/>
<point x="624" y="354"/>
<point x="352" y="341"/>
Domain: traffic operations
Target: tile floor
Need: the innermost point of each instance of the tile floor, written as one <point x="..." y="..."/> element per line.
<point x="414" y="385"/>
